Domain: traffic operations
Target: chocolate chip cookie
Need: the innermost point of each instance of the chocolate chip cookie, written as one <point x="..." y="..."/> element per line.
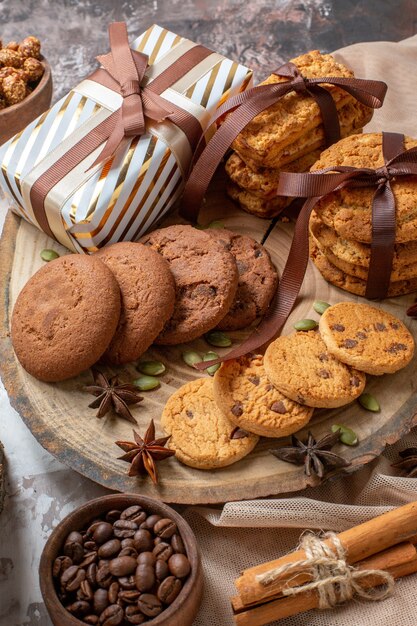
<point x="65" y="317"/>
<point x="200" y="434"/>
<point x="206" y="280"/>
<point x="302" y="368"/>
<point x="148" y="294"/>
<point x="248" y="399"/>
<point x="258" y="279"/>
<point x="366" y="337"/>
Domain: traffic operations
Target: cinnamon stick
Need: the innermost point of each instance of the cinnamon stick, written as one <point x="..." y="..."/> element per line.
<point x="400" y="560"/>
<point x="359" y="543"/>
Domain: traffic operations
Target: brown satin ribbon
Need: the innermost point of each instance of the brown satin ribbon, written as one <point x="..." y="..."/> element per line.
<point x="313" y="186"/>
<point x="245" y="106"/>
<point x="123" y="72"/>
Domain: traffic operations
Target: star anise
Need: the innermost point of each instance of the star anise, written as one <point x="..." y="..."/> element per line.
<point x="112" y="394"/>
<point x="408" y="462"/>
<point x="143" y="453"/>
<point x="315" y="455"/>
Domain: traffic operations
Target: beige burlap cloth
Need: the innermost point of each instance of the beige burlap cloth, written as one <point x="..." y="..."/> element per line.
<point x="242" y="534"/>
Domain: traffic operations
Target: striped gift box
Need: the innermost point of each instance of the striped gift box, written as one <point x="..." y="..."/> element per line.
<point x="121" y="199"/>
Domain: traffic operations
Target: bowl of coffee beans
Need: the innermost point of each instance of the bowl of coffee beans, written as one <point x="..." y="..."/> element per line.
<point x="120" y="560"/>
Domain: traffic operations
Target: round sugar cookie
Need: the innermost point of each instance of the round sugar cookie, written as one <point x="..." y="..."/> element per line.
<point x="205" y="277"/>
<point x="247" y="398"/>
<point x="258" y="279"/>
<point x="302" y="368"/>
<point x="148" y="294"/>
<point x="200" y="434"/>
<point x="65" y="317"/>
<point x="366" y="337"/>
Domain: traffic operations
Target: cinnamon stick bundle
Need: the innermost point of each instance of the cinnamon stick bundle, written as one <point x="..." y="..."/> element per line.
<point x="379" y="544"/>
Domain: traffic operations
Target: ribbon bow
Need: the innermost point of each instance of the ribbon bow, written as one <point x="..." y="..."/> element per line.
<point x="314" y="186"/>
<point x="243" y="107"/>
<point x="127" y="68"/>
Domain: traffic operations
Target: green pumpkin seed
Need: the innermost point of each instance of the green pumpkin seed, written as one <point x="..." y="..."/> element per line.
<point x="320" y="306"/>
<point x="191" y="358"/>
<point x="146" y="383"/>
<point x="49" y="255"/>
<point x="346" y="435"/>
<point x="305" y="325"/>
<point x="218" y="338"/>
<point x="368" y="402"/>
<point x="210" y="356"/>
<point x="216" y="224"/>
<point x="151" y="368"/>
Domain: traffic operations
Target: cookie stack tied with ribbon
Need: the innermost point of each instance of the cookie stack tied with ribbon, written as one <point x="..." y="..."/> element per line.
<point x="289" y="135"/>
<point x="341" y="223"/>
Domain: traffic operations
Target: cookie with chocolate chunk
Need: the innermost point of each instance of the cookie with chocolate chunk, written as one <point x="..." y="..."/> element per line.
<point x="366" y="337"/>
<point x="205" y="276"/>
<point x="258" y="279"/>
<point x="65" y="317"/>
<point x="248" y="399"/>
<point x="200" y="434"/>
<point x="302" y="368"/>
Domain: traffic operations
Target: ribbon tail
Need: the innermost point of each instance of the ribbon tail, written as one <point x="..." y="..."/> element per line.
<point x="112" y="143"/>
<point x="286" y="295"/>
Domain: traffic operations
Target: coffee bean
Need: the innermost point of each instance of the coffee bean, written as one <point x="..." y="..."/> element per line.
<point x="127" y="582"/>
<point x="129" y="597"/>
<point x="100" y="600"/>
<point x="144" y="577"/>
<point x="90" y="546"/>
<point x="146" y="558"/>
<point x="179" y="565"/>
<point x="149" y="605"/>
<point x="86" y="590"/>
<point x="124" y="528"/>
<point x="177" y="543"/>
<point x="74" y="550"/>
<point x="157" y="540"/>
<point x="129" y="551"/>
<point x="112" y="516"/>
<point x="74" y="537"/>
<point x="102" y="532"/>
<point x="161" y="569"/>
<point x="91" y="619"/>
<point x="91" y="574"/>
<point x="134" y="615"/>
<point x="80" y="607"/>
<point x="143" y="540"/>
<point x="169" y="589"/>
<point x="127" y="543"/>
<point x="61" y="563"/>
<point x="89" y="558"/>
<point x="112" y="615"/>
<point x="72" y="577"/>
<point x="151" y="521"/>
<point x="103" y="576"/>
<point x="122" y="565"/>
<point x="113" y="592"/>
<point x="109" y="549"/>
<point x="162" y="551"/>
<point x="134" y="514"/>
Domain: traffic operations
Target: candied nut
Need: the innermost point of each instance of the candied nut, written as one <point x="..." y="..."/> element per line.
<point x="3" y="103"/>
<point x="12" y="45"/>
<point x="30" y="47"/>
<point x="10" y="58"/>
<point x="33" y="69"/>
<point x="14" y="89"/>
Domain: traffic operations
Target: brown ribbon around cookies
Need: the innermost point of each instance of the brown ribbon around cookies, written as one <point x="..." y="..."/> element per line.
<point x="243" y="107"/>
<point x="313" y="186"/>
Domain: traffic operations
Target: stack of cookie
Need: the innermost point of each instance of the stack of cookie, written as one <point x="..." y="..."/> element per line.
<point x="288" y="136"/>
<point x="216" y="422"/>
<point x="176" y="285"/>
<point x="341" y="224"/>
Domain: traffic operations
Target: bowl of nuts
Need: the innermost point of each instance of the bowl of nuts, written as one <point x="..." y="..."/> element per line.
<point x="120" y="560"/>
<point x="25" y="85"/>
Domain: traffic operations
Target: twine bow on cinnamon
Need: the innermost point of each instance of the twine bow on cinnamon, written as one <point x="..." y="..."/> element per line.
<point x="242" y="108"/>
<point x="313" y="186"/>
<point x="127" y="67"/>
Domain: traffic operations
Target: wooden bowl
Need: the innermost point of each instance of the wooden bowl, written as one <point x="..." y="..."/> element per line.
<point x="184" y="608"/>
<point x="16" y="117"/>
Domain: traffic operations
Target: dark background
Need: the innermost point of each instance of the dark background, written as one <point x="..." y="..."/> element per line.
<point x="262" y="33"/>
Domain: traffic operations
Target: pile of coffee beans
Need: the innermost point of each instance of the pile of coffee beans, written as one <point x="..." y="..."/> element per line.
<point x="125" y="568"/>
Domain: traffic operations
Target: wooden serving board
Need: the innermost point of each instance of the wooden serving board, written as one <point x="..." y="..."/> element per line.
<point x="58" y="416"/>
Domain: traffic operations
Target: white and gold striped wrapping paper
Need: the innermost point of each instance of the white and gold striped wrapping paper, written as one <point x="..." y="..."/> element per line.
<point x="122" y="199"/>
